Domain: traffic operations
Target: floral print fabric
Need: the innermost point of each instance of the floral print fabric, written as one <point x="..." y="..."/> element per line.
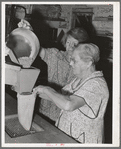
<point x="59" y="74"/>
<point x="86" y="123"/>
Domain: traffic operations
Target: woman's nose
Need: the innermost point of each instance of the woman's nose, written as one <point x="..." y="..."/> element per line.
<point x="72" y="44"/>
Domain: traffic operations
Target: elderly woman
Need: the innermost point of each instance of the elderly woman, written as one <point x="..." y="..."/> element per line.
<point x="59" y="70"/>
<point x="84" y="99"/>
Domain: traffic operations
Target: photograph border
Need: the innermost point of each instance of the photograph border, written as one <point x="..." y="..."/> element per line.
<point x="116" y="77"/>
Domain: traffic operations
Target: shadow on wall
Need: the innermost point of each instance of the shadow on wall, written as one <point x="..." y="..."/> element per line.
<point x="107" y="71"/>
<point x="105" y="46"/>
<point x="104" y="43"/>
<point x="40" y="27"/>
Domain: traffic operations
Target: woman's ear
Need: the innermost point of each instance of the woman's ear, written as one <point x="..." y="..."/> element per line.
<point x="89" y="64"/>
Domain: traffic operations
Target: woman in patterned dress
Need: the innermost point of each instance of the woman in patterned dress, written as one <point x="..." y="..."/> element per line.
<point x="59" y="70"/>
<point x="84" y="100"/>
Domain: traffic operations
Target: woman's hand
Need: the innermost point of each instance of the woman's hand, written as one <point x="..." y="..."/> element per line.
<point x="41" y="91"/>
<point x="25" y="24"/>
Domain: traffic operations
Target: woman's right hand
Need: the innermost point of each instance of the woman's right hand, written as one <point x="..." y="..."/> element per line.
<point x="25" y="24"/>
<point x="41" y="91"/>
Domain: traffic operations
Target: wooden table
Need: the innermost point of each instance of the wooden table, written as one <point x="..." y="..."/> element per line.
<point x="50" y="134"/>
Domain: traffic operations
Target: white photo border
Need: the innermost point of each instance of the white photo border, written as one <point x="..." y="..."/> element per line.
<point x="116" y="77"/>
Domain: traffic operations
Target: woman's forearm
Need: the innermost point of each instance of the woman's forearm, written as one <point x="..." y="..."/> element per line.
<point x="60" y="100"/>
<point x="44" y="96"/>
<point x="68" y="103"/>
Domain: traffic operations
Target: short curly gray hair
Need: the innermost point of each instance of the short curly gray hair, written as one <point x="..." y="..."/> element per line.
<point x="88" y="51"/>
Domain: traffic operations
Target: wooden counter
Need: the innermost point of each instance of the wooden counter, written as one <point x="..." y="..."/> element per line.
<point x="50" y="134"/>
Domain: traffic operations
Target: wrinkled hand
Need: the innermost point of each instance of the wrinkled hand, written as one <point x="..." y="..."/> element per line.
<point x="25" y="24"/>
<point x="41" y="91"/>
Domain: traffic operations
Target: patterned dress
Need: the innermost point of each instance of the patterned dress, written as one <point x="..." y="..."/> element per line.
<point x="85" y="124"/>
<point x="59" y="74"/>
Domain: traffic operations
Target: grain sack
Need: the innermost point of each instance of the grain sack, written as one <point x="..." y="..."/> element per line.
<point x="25" y="109"/>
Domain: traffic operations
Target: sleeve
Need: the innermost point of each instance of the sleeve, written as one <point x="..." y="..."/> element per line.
<point x="51" y="61"/>
<point x="92" y="94"/>
<point x="50" y="53"/>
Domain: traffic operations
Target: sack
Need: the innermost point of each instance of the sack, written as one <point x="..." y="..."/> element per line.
<point x="25" y="109"/>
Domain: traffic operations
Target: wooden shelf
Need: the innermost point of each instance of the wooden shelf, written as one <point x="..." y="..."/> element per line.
<point x="56" y="24"/>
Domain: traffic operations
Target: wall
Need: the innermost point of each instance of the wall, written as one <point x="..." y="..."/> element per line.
<point x="102" y="15"/>
<point x="103" y="18"/>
